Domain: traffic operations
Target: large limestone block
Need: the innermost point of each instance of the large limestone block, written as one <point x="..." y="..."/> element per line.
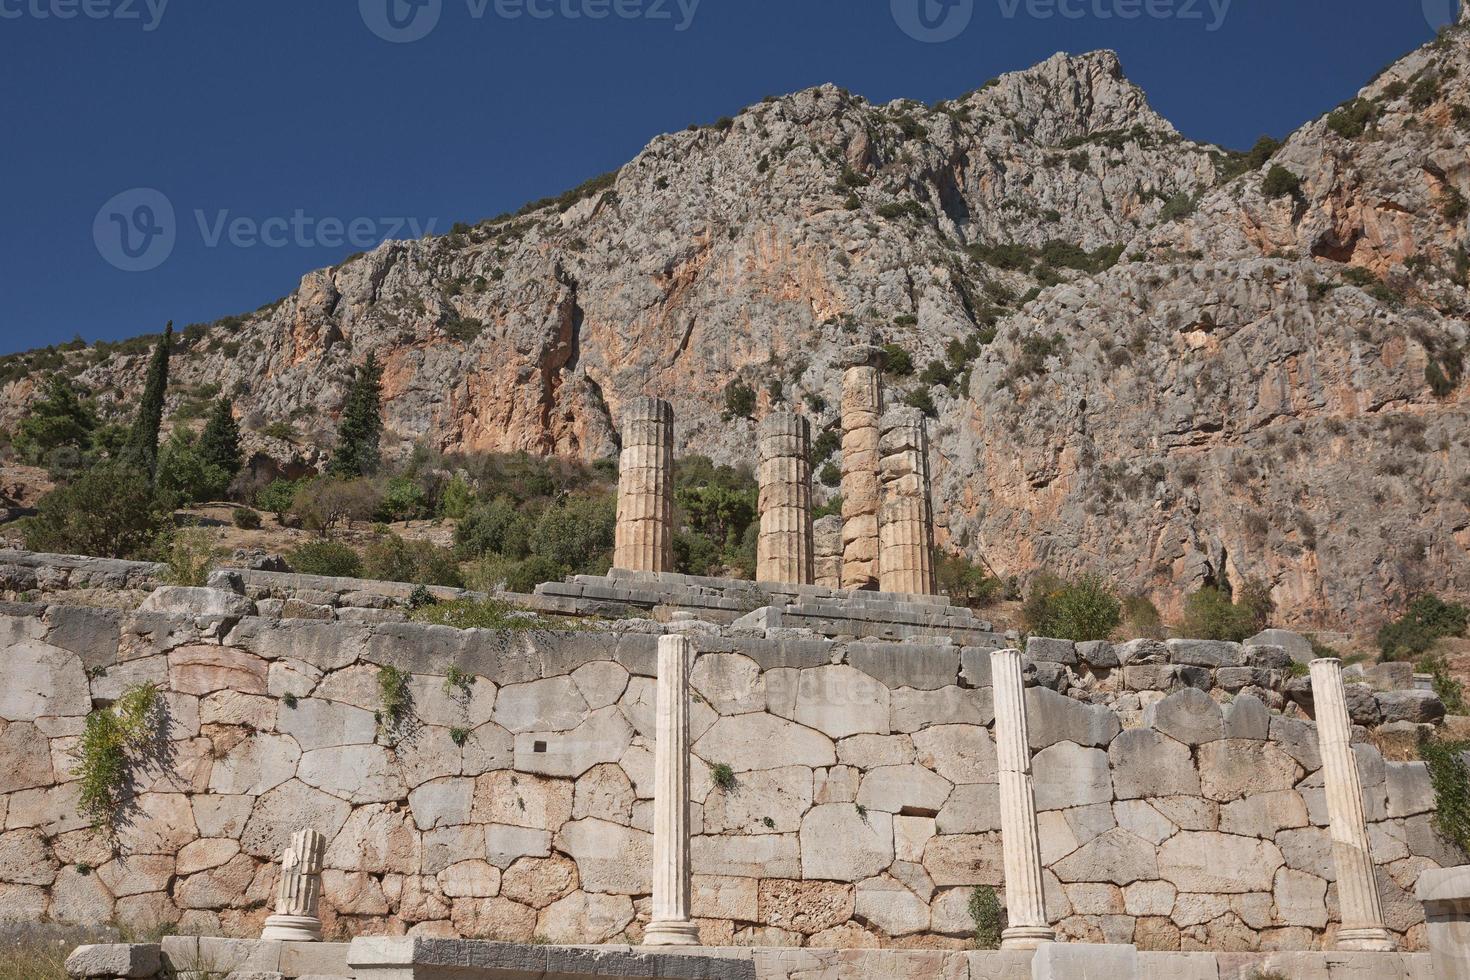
<point x="470" y="879"/>
<point x="1115" y="856"/>
<point x="25" y="859"/>
<point x="356" y="773"/>
<point x="904" y="789"/>
<point x="497" y="919"/>
<point x="1247" y="717"/>
<point x="376" y="839"/>
<point x="1053" y="718"/>
<point x="1264" y="814"/>
<point x="284" y="811"/>
<point x="611" y="859"/>
<point x="894" y="909"/>
<point x="1301" y="899"/>
<point x="726" y="897"/>
<point x="604" y="792"/>
<point x="1141" y="818"/>
<point x="1067" y="775"/>
<point x="1146" y="764"/>
<point x="202" y="603"/>
<point x="840" y="701"/>
<point x="503" y="845"/>
<point x="522" y="800"/>
<point x="27" y="755"/>
<point x="1219" y="863"/>
<point x="1206" y="653"/>
<point x="1080" y="961"/>
<point x="1416" y="707"/>
<point x="959" y="753"/>
<point x="602" y="682"/>
<point x="767" y="856"/>
<point x="116" y="960"/>
<point x="603" y="738"/>
<point x="759" y="741"/>
<point x="1234" y="768"/>
<point x="764" y="802"/>
<point x="914" y="710"/>
<point x="205" y="669"/>
<point x="538" y="882"/>
<point x="585" y="919"/>
<point x="973" y="808"/>
<point x="873" y="751"/>
<point x="1188" y="716"/>
<point x="729" y="683"/>
<point x="807" y="907"/>
<point x="551" y="705"/>
<point x="1410" y="790"/>
<point x="965" y="859"/>
<point x="40" y="680"/>
<point x="442" y="802"/>
<point x="841" y="843"/>
<point x="255" y="766"/>
<point x="160" y="823"/>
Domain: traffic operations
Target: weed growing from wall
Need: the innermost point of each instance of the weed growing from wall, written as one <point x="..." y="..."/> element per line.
<point x="988" y="916"/>
<point x="1451" y="782"/>
<point x="395" y="705"/>
<point x="723" y="775"/>
<point x="115" y="742"/>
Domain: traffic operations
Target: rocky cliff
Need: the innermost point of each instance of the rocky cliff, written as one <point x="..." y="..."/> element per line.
<point x="1147" y="363"/>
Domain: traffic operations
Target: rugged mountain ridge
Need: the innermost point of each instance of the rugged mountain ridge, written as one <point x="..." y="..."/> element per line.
<point x="1205" y="407"/>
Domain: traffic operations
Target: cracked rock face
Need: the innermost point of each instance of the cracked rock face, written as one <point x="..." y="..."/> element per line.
<point x="1234" y="397"/>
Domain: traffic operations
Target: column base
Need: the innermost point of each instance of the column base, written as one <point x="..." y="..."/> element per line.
<point x="293" y="928"/>
<point x="1367" y="940"/>
<point x="671" y="933"/>
<point x="1026" y="937"/>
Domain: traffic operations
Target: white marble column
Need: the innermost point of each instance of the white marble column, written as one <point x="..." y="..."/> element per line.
<point x="297" y="918"/>
<point x="1357" y="888"/>
<point x="671" y="925"/>
<point x="1020" y="843"/>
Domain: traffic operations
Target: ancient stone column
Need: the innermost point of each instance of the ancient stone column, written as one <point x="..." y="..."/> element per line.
<point x="784" y="552"/>
<point x="1020" y="841"/>
<point x="905" y="518"/>
<point x="827" y="546"/>
<point x="671" y="925"/>
<point x="1357" y="888"/>
<point x="645" y="533"/>
<point x="862" y="405"/>
<point x="300" y="890"/>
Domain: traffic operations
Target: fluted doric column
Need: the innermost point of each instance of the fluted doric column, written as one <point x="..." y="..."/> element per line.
<point x="1357" y="888"/>
<point x="300" y="889"/>
<point x="645" y="533"/>
<point x="784" y="552"/>
<point x="671" y="925"/>
<point x="1020" y="842"/>
<point x="862" y="406"/>
<point x="905" y="519"/>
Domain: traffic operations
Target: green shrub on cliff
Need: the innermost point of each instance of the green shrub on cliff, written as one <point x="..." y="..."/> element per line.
<point x="1085" y="608"/>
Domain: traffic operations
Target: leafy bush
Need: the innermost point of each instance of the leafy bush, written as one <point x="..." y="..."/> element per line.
<point x="190" y="558"/>
<point x="1353" y="119"/>
<point x="277" y="497"/>
<point x="457" y="499"/>
<point x="1427" y="619"/>
<point x="1085" y="608"/>
<point x="1451" y="781"/>
<point x="921" y="399"/>
<point x="897" y="361"/>
<point x="696" y="554"/>
<point x="830" y="475"/>
<point x="1209" y="614"/>
<point x="966" y="582"/>
<point x="322" y="504"/>
<point x="58" y="419"/>
<point x="524" y="576"/>
<point x="1281" y="182"/>
<point x="1141" y="619"/>
<point x="578" y="533"/>
<point x="1448" y="690"/>
<point x="988" y="916"/>
<point x="497" y="527"/>
<point x="739" y="400"/>
<point x="185" y="476"/>
<point x="245" y="519"/>
<point x="403" y="500"/>
<point x="109" y="511"/>
<point x="390" y="558"/>
<point x="330" y="558"/>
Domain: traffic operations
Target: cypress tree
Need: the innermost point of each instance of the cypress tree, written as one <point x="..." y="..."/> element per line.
<point x="142" y="445"/>
<point x="361" y="428"/>
<point x="219" y="443"/>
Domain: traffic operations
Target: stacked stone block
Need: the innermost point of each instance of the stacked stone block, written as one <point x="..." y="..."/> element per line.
<point x="905" y="518"/>
<point x="784" y="552"/>
<point x="827" y="548"/>
<point x="862" y="408"/>
<point x="645" y="532"/>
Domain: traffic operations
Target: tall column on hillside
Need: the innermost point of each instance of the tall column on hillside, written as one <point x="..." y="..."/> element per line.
<point x="645" y="533"/>
<point x="862" y="406"/>
<point x="1020" y="842"/>
<point x="784" y="553"/>
<point x="671" y="925"/>
<point x="905" y="517"/>
<point x="1357" y="888"/>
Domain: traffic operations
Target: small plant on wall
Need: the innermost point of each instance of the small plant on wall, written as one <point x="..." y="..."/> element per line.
<point x="116" y="741"/>
<point x="989" y="917"/>
<point x="395" y="705"/>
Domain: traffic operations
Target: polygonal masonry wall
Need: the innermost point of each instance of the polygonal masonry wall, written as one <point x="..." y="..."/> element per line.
<point x="862" y="809"/>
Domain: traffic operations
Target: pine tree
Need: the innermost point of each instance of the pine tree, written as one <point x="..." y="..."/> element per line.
<point x="58" y="419"/>
<point x="142" y="447"/>
<point x="361" y="428"/>
<point x="219" y="443"/>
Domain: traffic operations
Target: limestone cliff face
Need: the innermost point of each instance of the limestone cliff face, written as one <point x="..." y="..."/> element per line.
<point x="1205" y="404"/>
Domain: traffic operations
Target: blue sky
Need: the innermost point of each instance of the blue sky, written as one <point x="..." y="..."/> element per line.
<point x="287" y="134"/>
